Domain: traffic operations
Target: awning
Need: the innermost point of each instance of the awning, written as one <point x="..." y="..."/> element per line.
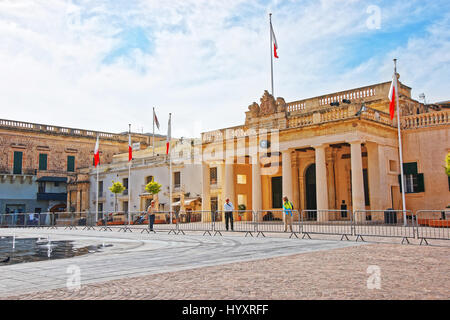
<point x="186" y="202"/>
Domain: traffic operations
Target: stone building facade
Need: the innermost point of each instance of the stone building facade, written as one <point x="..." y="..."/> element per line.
<point x="339" y="148"/>
<point x="38" y="163"/>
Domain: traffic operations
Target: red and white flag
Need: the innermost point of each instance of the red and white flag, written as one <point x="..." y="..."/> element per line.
<point x="392" y="94"/>
<point x="169" y="129"/>
<point x="274" y="40"/>
<point x="155" y="118"/>
<point x="130" y="149"/>
<point x="96" y="153"/>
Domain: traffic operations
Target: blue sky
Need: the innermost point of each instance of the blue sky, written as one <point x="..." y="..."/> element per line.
<point x="107" y="63"/>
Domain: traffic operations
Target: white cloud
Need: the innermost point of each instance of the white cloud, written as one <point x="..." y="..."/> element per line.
<point x="207" y="62"/>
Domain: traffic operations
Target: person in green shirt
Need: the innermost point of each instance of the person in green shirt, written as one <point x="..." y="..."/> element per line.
<point x="288" y="208"/>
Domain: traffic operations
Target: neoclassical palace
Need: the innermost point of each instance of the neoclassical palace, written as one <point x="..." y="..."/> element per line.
<point x="323" y="152"/>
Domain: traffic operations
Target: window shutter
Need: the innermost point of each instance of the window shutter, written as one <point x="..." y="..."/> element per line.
<point x="420" y="183"/>
<point x="410" y="168"/>
<point x="17" y="169"/>
<point x="70" y="163"/>
<point x="42" y="161"/>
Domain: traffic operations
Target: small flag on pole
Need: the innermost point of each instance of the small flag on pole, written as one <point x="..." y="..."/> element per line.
<point x="96" y="153"/>
<point x="392" y="95"/>
<point x="274" y="40"/>
<point x="155" y="118"/>
<point x="130" y="149"/>
<point x="168" y="135"/>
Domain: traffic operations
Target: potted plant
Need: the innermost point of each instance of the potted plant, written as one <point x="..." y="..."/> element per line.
<point x="153" y="188"/>
<point x="116" y="188"/>
<point x="241" y="209"/>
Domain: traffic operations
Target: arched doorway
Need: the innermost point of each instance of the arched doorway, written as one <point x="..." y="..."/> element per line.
<point x="310" y="187"/>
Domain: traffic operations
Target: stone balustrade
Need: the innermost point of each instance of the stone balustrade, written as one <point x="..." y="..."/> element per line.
<point x="336" y="114"/>
<point x="424" y="120"/>
<point x="372" y="92"/>
<point x="42" y="128"/>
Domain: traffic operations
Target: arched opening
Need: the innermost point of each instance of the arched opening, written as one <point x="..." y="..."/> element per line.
<point x="310" y="187"/>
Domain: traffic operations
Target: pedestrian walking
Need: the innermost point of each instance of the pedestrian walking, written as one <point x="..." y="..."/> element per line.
<point x="288" y="207"/>
<point x="151" y="214"/>
<point x="228" y="208"/>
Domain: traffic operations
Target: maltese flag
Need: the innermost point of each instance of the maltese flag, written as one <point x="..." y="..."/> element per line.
<point x="130" y="149"/>
<point x="169" y="130"/>
<point x="96" y="153"/>
<point x="274" y="40"/>
<point x="392" y="95"/>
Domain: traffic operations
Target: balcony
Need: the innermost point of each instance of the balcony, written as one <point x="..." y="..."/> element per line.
<point x="52" y="196"/>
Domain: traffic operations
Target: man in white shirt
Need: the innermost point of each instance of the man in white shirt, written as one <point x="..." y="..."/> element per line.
<point x="228" y="208"/>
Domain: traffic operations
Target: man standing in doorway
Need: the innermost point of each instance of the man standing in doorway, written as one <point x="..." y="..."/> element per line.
<point x="288" y="207"/>
<point x="228" y="208"/>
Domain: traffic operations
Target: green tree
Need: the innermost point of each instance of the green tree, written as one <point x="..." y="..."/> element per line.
<point x="116" y="188"/>
<point x="447" y="167"/>
<point x="153" y="187"/>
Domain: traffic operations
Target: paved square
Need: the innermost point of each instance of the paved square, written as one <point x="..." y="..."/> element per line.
<point x="232" y="267"/>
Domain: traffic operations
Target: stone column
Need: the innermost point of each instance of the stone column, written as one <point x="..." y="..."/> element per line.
<point x="321" y="183"/>
<point x="357" y="180"/>
<point x="256" y="185"/>
<point x="229" y="191"/>
<point x="373" y="168"/>
<point x="286" y="163"/>
<point x="206" y="198"/>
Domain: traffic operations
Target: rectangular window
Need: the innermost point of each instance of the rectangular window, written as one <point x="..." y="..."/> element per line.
<point x="125" y="207"/>
<point x="242" y="199"/>
<point x="70" y="164"/>
<point x="176" y="179"/>
<point x="42" y="162"/>
<point x="241" y="179"/>
<point x="213" y="175"/>
<point x="100" y="188"/>
<point x="17" y="169"/>
<point x="148" y="179"/>
<point x="366" y="187"/>
<point x="277" y="185"/>
<point x="413" y="181"/>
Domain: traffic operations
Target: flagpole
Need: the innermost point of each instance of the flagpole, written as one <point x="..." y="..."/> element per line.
<point x="170" y="171"/>
<point x="97" y="167"/>
<point x="129" y="179"/>
<point x="153" y="142"/>
<point x="96" y="209"/>
<point x="271" y="58"/>
<point x="400" y="144"/>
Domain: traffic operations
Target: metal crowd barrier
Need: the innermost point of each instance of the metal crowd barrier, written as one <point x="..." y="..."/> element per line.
<point x="28" y="220"/>
<point x="273" y="221"/>
<point x="384" y="223"/>
<point x="433" y="224"/>
<point x="196" y="221"/>
<point x="425" y="224"/>
<point x="330" y="222"/>
<point x="238" y="221"/>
